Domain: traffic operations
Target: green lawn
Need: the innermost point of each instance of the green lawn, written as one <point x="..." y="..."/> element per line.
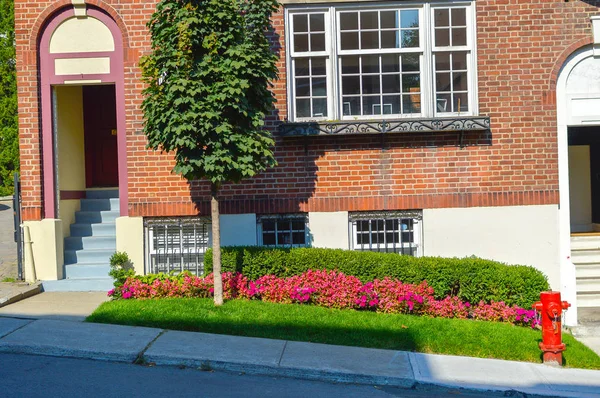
<point x="342" y="327"/>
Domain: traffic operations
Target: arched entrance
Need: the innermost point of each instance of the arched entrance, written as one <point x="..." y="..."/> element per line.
<point x="578" y="112"/>
<point x="83" y="112"/>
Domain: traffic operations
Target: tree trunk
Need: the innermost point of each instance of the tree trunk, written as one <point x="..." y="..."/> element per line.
<point x="216" y="244"/>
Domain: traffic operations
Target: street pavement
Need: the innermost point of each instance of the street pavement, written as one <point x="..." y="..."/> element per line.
<point x="8" y="247"/>
<point x="47" y="377"/>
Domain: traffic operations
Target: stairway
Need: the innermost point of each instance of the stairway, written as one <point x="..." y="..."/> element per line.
<point x="585" y="254"/>
<point x="92" y="242"/>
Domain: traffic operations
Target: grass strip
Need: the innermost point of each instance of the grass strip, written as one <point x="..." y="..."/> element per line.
<point x="341" y="327"/>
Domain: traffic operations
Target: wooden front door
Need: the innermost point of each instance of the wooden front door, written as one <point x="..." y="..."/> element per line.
<point x="100" y="126"/>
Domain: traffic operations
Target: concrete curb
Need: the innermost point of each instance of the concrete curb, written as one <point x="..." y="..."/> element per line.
<point x="17" y="293"/>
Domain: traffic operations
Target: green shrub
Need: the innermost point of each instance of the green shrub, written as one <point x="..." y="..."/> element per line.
<point x="120" y="268"/>
<point x="472" y="279"/>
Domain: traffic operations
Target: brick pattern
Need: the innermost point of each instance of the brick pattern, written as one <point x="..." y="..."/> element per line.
<point x="521" y="46"/>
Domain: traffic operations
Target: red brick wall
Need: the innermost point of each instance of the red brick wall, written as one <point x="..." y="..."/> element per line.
<point x="521" y="46"/>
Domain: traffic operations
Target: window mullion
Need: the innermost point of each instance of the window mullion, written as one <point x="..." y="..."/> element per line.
<point x="333" y="71"/>
<point x="427" y="66"/>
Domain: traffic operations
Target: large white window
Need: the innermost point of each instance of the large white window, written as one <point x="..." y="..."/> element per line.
<point x="361" y="61"/>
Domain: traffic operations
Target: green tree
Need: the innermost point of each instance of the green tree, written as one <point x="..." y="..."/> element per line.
<point x="208" y="79"/>
<point x="9" y="133"/>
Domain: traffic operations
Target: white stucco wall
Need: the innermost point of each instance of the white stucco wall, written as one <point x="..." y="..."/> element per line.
<point x="329" y="229"/>
<point x="526" y="235"/>
<point x="46" y="248"/>
<point x="238" y="229"/>
<point x="580" y="188"/>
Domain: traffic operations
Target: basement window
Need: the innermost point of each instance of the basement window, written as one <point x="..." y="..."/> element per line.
<point x="283" y="230"/>
<point x="389" y="232"/>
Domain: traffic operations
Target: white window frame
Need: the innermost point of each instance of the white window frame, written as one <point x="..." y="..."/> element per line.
<point x="426" y="49"/>
<point x="280" y="217"/>
<point x="415" y="216"/>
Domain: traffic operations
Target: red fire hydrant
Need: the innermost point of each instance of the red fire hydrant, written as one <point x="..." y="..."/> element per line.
<point x="551" y="308"/>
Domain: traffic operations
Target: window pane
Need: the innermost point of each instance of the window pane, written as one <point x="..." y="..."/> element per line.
<point x="300" y="43"/>
<point x="350" y="65"/>
<point x="298" y="224"/>
<point x="318" y="66"/>
<point x="362" y="225"/>
<point x="441" y="17"/>
<point x="300" y="23"/>
<point x="317" y="42"/>
<point x="411" y="103"/>
<point x="410" y="38"/>
<point x="298" y="238"/>
<point x="268" y="226"/>
<point x="269" y="238"/>
<point x="320" y="107"/>
<point x="390" y="83"/>
<point x="349" y="40"/>
<point x="369" y="40"/>
<point x="348" y="20"/>
<point x="283" y="238"/>
<point x="459" y="37"/>
<point x="351" y="106"/>
<point x="368" y="20"/>
<point x="319" y="87"/>
<point x="370" y="64"/>
<point x="442" y="61"/>
<point x="303" y="108"/>
<point x="391" y="104"/>
<point x="350" y="85"/>
<point x="460" y="81"/>
<point x="464" y="102"/>
<point x="390" y="39"/>
<point x="371" y="106"/>
<point x="317" y="22"/>
<point x="301" y="67"/>
<point x="442" y="37"/>
<point x="303" y="87"/>
<point x="442" y="81"/>
<point x="410" y="63"/>
<point x="411" y="83"/>
<point x="370" y="85"/>
<point x="443" y="103"/>
<point x="459" y="61"/>
<point x="409" y="19"/>
<point x="390" y="63"/>
<point x="389" y="19"/>
<point x="459" y="17"/>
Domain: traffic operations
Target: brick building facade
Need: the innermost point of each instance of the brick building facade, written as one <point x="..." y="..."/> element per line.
<point x="462" y="147"/>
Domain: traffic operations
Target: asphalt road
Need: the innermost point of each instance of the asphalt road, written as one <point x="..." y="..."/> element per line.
<point x="8" y="248"/>
<point x="39" y="376"/>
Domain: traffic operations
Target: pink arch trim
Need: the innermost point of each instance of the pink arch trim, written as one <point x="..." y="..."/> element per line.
<point x="49" y="79"/>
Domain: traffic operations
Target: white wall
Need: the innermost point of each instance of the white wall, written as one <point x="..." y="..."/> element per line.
<point x="329" y="229"/>
<point x="580" y="184"/>
<point x="526" y="235"/>
<point x="238" y="229"/>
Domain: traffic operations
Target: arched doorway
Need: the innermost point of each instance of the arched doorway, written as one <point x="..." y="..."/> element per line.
<point x="83" y="112"/>
<point x="578" y="117"/>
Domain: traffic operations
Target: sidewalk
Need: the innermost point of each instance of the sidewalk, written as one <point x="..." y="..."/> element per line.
<point x="288" y="359"/>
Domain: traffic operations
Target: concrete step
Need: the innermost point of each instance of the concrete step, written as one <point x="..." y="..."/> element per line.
<point x="100" y="204"/>
<point x="102" y="194"/>
<point x="588" y="299"/>
<point x="90" y="242"/>
<point x="86" y="271"/>
<point x="79" y="285"/>
<point x="585" y="257"/>
<point x="587" y="270"/>
<point x="95" y="217"/>
<point x="105" y="229"/>
<point x="588" y="284"/>
<point x="91" y="256"/>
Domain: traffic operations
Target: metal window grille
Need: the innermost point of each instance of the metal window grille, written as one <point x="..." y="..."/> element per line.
<point x="283" y="230"/>
<point x="176" y="245"/>
<point x="392" y="232"/>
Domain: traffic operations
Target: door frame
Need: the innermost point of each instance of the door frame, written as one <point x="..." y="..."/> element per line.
<point x="48" y="79"/>
<point x="565" y="120"/>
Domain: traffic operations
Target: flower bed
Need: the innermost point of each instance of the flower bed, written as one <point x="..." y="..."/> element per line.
<point x="329" y="289"/>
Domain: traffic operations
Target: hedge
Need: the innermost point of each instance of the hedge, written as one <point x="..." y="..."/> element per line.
<point x="472" y="279"/>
